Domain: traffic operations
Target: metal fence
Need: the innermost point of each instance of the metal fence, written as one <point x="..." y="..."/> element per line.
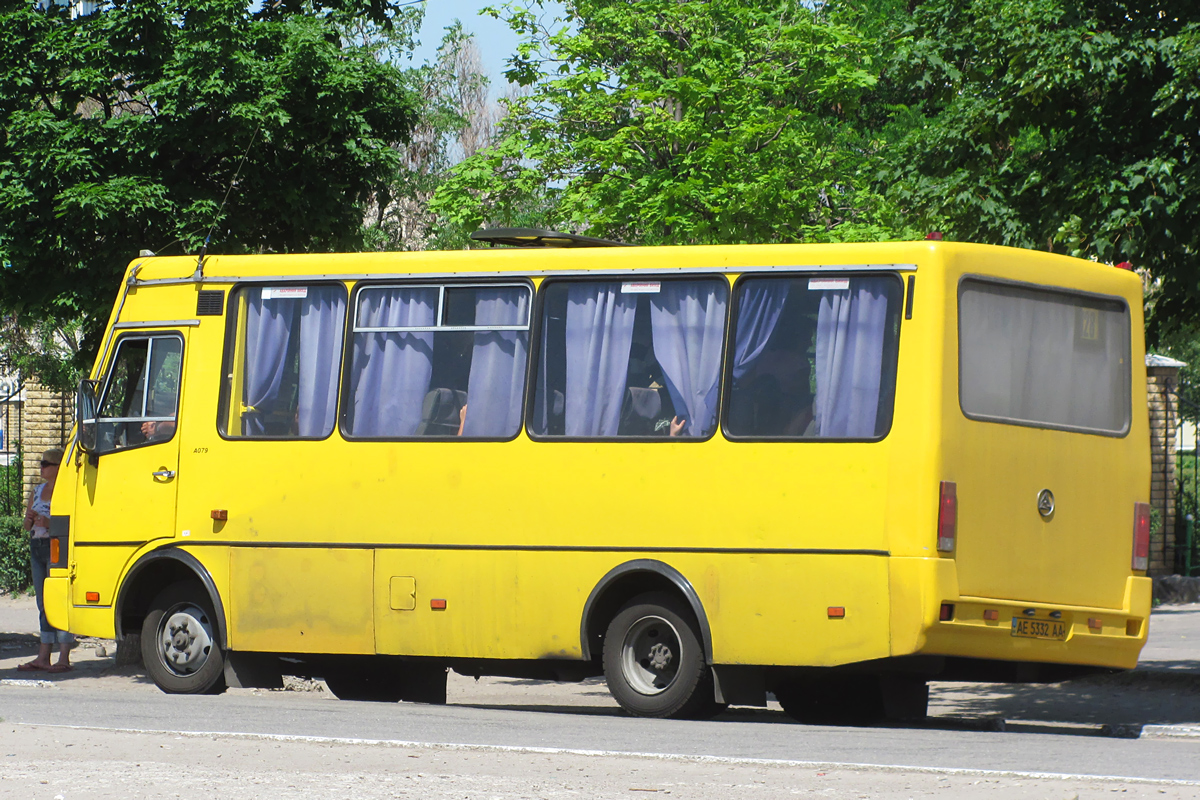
<point x="1187" y="483"/>
<point x="12" y="432"/>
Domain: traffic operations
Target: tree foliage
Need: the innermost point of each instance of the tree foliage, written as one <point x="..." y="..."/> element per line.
<point x="455" y="120"/>
<point x="1064" y="125"/>
<point x="661" y="121"/>
<point x="124" y="129"/>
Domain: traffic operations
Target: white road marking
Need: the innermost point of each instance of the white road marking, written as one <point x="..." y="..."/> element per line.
<point x="500" y="748"/>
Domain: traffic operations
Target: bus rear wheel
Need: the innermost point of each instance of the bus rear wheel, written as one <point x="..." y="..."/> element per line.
<point x="180" y="648"/>
<point x="365" y="685"/>
<point x="654" y="663"/>
<point x="386" y="681"/>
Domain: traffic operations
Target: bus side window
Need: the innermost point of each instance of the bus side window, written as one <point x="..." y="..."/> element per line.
<point x="284" y="362"/>
<point x="814" y="357"/>
<point x="141" y="396"/>
<point x="438" y="361"/>
<point x="630" y="359"/>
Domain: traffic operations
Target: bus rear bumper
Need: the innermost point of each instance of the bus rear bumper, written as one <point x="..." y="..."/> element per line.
<point x="1009" y="630"/>
<point x="95" y="621"/>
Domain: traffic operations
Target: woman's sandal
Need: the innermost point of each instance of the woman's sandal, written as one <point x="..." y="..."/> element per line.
<point x="31" y="667"/>
<point x="59" y="668"/>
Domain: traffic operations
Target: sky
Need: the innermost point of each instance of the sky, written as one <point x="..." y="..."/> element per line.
<point x="496" y="41"/>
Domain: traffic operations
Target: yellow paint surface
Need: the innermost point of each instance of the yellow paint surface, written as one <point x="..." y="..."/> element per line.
<point x="339" y="546"/>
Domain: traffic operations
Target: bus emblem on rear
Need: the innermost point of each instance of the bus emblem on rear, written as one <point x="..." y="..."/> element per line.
<point x="1045" y="503"/>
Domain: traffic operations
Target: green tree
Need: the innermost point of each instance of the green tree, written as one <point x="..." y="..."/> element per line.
<point x="680" y="121"/>
<point x="1063" y="125"/>
<point x="124" y="130"/>
<point x="45" y="349"/>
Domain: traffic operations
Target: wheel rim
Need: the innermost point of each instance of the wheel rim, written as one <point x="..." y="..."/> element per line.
<point x="650" y="655"/>
<point x="185" y="638"/>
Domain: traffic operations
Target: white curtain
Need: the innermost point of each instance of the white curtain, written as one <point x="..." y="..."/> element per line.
<point x="599" y="332"/>
<point x="497" y="380"/>
<point x="851" y="325"/>
<point x="688" y="322"/>
<point x="390" y="371"/>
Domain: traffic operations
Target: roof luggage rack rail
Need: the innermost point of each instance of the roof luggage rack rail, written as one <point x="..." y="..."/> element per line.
<point x="535" y="237"/>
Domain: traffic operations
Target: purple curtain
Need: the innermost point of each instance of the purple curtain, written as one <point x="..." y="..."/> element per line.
<point x="390" y="371"/>
<point x="322" y="318"/>
<point x="849" y="361"/>
<point x="688" y="323"/>
<point x="268" y="328"/>
<point x="497" y="380"/>
<point x="761" y="303"/>
<point x="599" y="335"/>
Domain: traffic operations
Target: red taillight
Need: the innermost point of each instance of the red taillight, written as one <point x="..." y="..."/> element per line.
<point x="947" y="517"/>
<point x="1141" y="536"/>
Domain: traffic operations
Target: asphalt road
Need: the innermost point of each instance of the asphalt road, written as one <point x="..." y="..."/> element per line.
<point x="1110" y="728"/>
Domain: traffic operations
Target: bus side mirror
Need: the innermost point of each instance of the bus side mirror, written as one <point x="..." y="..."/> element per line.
<point x="85" y="416"/>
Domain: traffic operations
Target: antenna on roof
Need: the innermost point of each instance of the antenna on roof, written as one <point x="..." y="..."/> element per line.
<point x="534" y="237"/>
<point x="198" y="275"/>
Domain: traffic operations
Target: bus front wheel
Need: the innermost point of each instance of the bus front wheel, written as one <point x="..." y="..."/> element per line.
<point x="180" y="647"/>
<point x="653" y="661"/>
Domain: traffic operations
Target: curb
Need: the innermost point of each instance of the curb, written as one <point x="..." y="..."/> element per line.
<point x="1171" y="731"/>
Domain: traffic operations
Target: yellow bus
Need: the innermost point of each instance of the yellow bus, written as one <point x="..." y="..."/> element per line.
<point x="827" y="472"/>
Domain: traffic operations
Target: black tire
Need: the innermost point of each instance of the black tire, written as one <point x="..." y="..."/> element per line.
<point x="384" y="680"/>
<point x="835" y="700"/>
<point x="181" y="647"/>
<point x="653" y="660"/>
<point x="363" y="685"/>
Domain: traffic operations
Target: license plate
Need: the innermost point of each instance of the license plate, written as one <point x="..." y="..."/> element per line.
<point x="1039" y="628"/>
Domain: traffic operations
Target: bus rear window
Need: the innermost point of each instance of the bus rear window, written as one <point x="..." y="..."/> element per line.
<point x="814" y="357"/>
<point x="1043" y="358"/>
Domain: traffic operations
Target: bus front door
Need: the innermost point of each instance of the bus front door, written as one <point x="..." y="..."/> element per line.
<point x="126" y="489"/>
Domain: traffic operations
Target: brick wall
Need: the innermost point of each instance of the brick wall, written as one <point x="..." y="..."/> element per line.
<point x="1161" y="383"/>
<point x="48" y="417"/>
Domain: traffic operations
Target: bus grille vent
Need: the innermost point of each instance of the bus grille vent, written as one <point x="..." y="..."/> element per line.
<point x="210" y="303"/>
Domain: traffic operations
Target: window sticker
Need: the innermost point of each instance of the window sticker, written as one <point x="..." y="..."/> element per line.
<point x="285" y="293"/>
<point x="828" y="284"/>
<point x="641" y="288"/>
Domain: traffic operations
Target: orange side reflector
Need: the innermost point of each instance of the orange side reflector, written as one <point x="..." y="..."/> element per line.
<point x="437" y="605"/>
<point x="55" y="551"/>
<point x="1133" y="627"/>
<point x="93" y="597"/>
<point x="219" y="514"/>
<point x="1095" y="623"/>
<point x="991" y="614"/>
<point x="837" y="612"/>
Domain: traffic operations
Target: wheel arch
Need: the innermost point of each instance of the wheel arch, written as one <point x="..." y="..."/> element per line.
<point x="626" y="581"/>
<point x="152" y="573"/>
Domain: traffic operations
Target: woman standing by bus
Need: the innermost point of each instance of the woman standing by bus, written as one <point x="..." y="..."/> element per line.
<point x="37" y="522"/>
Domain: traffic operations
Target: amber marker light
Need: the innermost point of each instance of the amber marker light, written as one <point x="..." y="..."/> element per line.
<point x="947" y="612"/>
<point x="991" y="614"/>
<point x="55" y="550"/>
<point x="836" y="612"/>
<point x="437" y="605"/>
<point x="219" y="514"/>
<point x="1095" y="623"/>
<point x="93" y="597"/>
